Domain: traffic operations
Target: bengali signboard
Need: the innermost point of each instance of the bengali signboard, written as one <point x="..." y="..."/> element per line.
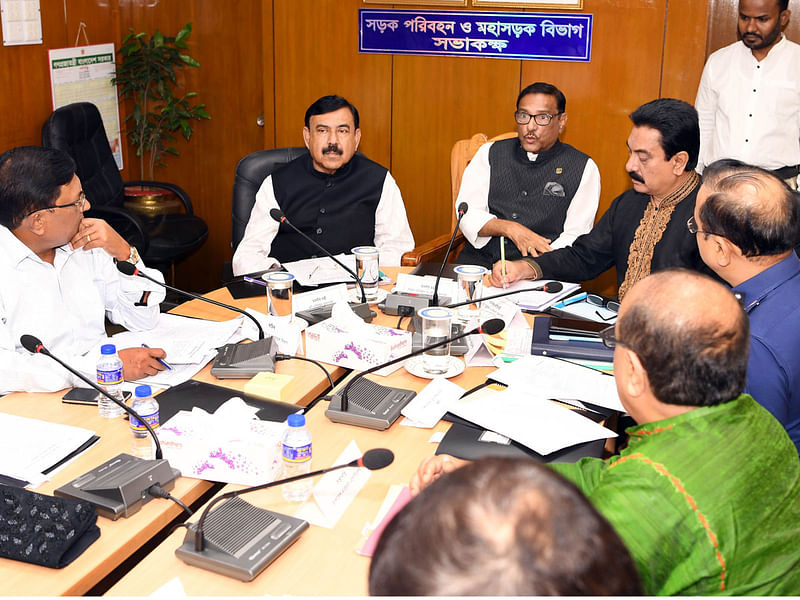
<point x="527" y="36"/>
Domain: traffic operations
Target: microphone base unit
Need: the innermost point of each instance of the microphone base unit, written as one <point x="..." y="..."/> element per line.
<point x="243" y="361"/>
<point x="119" y="486"/>
<point x="369" y="405"/>
<point x="240" y="540"/>
<point x="399" y="303"/>
<point x="321" y="313"/>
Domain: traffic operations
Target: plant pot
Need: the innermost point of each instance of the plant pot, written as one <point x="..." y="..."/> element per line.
<point x="150" y="202"/>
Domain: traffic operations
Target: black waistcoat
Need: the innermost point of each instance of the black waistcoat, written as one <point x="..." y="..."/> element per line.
<point x="536" y="193"/>
<point x="338" y="210"/>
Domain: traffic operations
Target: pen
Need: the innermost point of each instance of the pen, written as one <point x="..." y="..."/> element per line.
<point x="256" y="281"/>
<point x="503" y="258"/>
<point x="570" y="300"/>
<point x="161" y="360"/>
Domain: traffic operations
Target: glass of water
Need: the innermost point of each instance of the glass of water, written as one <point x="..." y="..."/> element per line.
<point x="279" y="294"/>
<point x="435" y="328"/>
<point x="367" y="270"/>
<point x="470" y="286"/>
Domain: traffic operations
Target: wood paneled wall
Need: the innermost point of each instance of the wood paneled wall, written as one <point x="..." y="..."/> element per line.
<point x="276" y="56"/>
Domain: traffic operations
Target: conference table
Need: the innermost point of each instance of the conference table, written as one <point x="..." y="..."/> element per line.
<point x="321" y="562"/>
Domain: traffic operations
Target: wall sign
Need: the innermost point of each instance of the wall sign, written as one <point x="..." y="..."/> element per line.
<point x="527" y="36"/>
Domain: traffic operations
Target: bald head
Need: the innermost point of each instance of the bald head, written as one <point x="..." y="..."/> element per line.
<point x="690" y="335"/>
<point x="748" y="206"/>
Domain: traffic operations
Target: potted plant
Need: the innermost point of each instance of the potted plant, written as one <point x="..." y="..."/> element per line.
<point x="146" y="74"/>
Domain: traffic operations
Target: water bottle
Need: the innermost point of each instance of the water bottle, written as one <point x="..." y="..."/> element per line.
<point x="296" y="458"/>
<point x="109" y="377"/>
<point x="147" y="407"/>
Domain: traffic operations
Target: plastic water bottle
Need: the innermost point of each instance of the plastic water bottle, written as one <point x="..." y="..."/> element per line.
<point x="109" y="377"/>
<point x="296" y="458"/>
<point x="147" y="408"/>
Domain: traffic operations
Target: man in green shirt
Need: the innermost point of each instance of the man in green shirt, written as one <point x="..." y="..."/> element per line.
<point x="706" y="496"/>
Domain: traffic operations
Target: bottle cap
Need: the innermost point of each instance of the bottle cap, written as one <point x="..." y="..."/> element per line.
<point x="296" y="420"/>
<point x="108" y="349"/>
<point x="143" y="391"/>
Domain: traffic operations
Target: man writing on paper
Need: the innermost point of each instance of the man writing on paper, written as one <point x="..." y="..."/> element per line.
<point x="644" y="229"/>
<point x="746" y="222"/>
<point x="705" y="494"/>
<point x="335" y="196"/>
<point x="534" y="190"/>
<point x="59" y="278"/>
<point x="749" y="94"/>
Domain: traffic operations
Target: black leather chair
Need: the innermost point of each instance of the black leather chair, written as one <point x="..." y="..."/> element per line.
<point x="78" y="130"/>
<point x="250" y="173"/>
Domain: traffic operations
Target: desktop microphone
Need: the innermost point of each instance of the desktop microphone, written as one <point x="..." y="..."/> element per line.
<point x="233" y="361"/>
<point x="378" y="406"/>
<point x="120" y="486"/>
<point x="552" y="287"/>
<point x="278" y="215"/>
<point x="462" y="210"/>
<point x="240" y="540"/>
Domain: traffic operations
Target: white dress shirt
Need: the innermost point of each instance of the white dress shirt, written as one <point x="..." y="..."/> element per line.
<point x="393" y="235"/>
<point x="475" y="192"/>
<point x="64" y="305"/>
<point x="750" y="110"/>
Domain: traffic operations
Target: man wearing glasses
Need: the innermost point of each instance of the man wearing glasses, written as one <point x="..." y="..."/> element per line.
<point x="534" y="190"/>
<point x="644" y="229"/>
<point x="746" y="223"/>
<point x="59" y="279"/>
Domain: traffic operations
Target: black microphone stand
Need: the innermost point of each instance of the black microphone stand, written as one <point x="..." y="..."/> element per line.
<point x="552" y="288"/>
<point x="462" y="210"/>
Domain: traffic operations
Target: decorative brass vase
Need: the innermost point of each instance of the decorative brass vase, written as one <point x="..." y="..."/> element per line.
<point x="151" y="202"/>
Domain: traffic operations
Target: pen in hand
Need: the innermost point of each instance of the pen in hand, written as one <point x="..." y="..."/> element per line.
<point x="161" y="360"/>
<point x="503" y="260"/>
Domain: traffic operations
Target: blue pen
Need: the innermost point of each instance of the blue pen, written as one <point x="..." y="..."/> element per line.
<point x="161" y="360"/>
<point x="570" y="300"/>
<point x="256" y="281"/>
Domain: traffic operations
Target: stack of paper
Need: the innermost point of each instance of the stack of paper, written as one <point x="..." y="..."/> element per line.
<point x="319" y="271"/>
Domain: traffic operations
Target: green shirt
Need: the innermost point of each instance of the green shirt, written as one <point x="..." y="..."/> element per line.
<point x="708" y="502"/>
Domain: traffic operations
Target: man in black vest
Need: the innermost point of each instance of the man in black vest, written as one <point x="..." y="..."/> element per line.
<point x="339" y="198"/>
<point x="534" y="190"/>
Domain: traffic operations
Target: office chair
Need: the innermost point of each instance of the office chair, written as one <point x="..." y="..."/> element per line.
<point x="460" y="156"/>
<point x="78" y="130"/>
<point x="251" y="171"/>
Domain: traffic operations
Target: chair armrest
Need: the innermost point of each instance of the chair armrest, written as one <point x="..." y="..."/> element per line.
<point x="433" y="250"/>
<point x="115" y="215"/>
<point x="175" y="189"/>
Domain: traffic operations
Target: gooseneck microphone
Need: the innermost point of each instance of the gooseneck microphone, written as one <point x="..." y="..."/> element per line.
<point x="552" y="287"/>
<point x="462" y="210"/>
<point x="374" y="459"/>
<point x="127" y="268"/>
<point x="34" y="345"/>
<point x="278" y="215"/>
<point x="397" y="398"/>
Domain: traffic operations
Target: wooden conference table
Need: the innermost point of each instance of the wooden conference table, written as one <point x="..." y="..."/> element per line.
<point x="321" y="562"/>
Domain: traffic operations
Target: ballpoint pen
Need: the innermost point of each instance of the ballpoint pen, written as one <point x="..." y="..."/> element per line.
<point x="161" y="360"/>
<point x="570" y="300"/>
<point x="256" y="281"/>
<point x="503" y="259"/>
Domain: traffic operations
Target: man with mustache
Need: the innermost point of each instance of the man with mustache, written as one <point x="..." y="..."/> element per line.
<point x="644" y="229"/>
<point x="749" y="94"/>
<point x="337" y="197"/>
<point x="533" y="189"/>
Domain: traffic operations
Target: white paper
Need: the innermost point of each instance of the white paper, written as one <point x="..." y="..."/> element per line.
<point x="534" y="300"/>
<point x="505" y="309"/>
<point x="478" y="353"/>
<point x="529" y="419"/>
<point x="318" y="271"/>
<point x="428" y="407"/>
<point x="288" y="334"/>
<point x="335" y="491"/>
<point x="554" y="378"/>
<point x="424" y="285"/>
<point x="30" y="446"/>
<point x="584" y="310"/>
<point x="317" y="298"/>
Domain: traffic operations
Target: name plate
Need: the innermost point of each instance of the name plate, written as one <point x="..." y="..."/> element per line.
<point x="513" y="35"/>
<point x="316" y="298"/>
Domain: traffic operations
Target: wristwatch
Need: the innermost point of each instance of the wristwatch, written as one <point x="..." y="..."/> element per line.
<point x="134" y="257"/>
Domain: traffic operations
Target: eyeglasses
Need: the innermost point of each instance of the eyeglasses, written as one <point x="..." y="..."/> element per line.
<point x="691" y="225"/>
<point x="542" y="120"/>
<point x="600" y="302"/>
<point x="79" y="203"/>
<point x="609" y="338"/>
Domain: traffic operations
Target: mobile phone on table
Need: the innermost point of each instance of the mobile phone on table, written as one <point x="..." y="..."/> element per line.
<point x="80" y="395"/>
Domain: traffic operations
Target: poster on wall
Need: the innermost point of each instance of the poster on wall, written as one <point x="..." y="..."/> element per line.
<point x="84" y="74"/>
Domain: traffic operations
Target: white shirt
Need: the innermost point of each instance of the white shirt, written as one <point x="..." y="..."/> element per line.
<point x="475" y="192"/>
<point x="64" y="305"/>
<point x="750" y="110"/>
<point x="393" y="235"/>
